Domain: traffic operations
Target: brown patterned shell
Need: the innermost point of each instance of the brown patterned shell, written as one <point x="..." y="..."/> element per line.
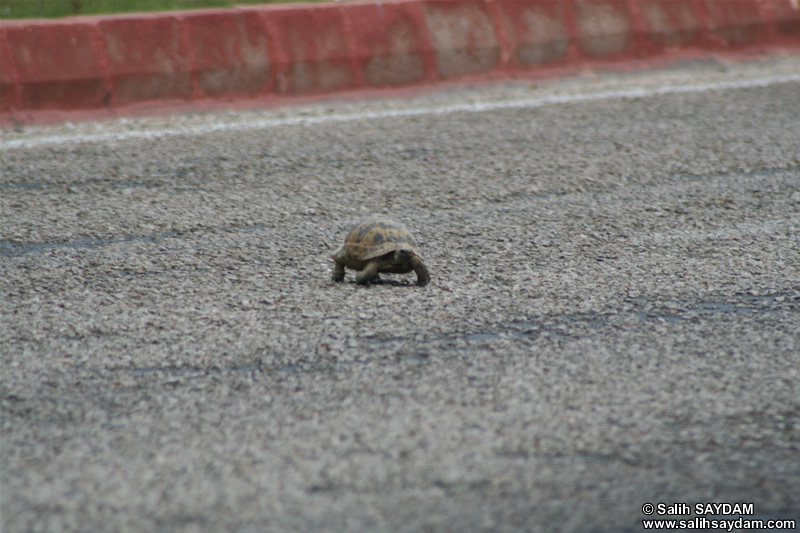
<point x="374" y="237"/>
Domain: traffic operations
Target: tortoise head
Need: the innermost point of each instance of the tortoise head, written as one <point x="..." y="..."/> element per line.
<point x="403" y="255"/>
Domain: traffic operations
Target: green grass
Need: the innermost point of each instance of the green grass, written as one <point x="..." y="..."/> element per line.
<point x="15" y="9"/>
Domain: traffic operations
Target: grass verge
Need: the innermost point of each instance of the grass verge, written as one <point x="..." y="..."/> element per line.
<point x="15" y="9"/>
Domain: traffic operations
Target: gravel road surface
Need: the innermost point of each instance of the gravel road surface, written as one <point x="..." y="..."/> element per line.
<point x="613" y="316"/>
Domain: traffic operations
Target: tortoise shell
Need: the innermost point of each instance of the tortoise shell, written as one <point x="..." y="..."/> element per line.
<point x="374" y="237"/>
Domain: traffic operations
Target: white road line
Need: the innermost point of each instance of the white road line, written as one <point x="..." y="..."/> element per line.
<point x="409" y="112"/>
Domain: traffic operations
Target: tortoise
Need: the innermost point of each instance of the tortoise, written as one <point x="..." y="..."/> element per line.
<point x="377" y="245"/>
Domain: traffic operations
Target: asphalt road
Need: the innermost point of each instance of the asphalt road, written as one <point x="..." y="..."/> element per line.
<point x="613" y="317"/>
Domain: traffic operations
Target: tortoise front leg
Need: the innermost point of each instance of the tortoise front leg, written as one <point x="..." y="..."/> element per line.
<point x="422" y="271"/>
<point x="338" y="272"/>
<point x="369" y="273"/>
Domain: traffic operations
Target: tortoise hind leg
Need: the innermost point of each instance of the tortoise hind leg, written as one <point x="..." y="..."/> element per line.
<point x="422" y="271"/>
<point x="369" y="273"/>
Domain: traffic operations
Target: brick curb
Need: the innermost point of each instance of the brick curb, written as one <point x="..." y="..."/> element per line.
<point x="124" y="64"/>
